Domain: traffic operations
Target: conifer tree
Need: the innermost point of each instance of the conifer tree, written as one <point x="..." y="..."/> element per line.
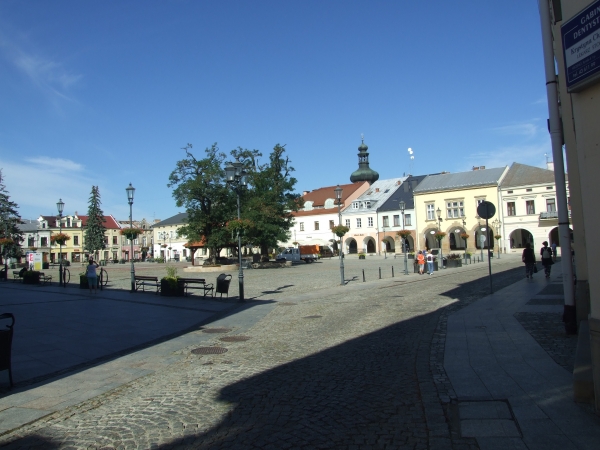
<point x="10" y="235"/>
<point x="95" y="229"/>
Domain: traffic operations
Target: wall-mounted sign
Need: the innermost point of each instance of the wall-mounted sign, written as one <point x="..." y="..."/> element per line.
<point x="581" y="48"/>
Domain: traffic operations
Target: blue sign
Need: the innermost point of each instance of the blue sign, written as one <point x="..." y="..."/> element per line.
<point x="581" y="48"/>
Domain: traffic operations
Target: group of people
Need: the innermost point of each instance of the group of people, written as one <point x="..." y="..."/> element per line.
<point x="548" y="255"/>
<point x="425" y="257"/>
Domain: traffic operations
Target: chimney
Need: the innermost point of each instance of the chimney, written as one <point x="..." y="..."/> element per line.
<point x="550" y="165"/>
<point x="305" y="192"/>
<point x="481" y="167"/>
<point x="475" y="168"/>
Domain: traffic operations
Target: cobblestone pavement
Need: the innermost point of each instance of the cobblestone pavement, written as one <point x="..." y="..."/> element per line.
<point x="357" y="367"/>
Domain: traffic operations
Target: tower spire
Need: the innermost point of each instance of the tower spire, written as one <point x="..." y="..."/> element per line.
<point x="364" y="172"/>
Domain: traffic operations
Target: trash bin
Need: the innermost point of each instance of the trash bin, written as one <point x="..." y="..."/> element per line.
<point x="6" y="335"/>
<point x="223" y="282"/>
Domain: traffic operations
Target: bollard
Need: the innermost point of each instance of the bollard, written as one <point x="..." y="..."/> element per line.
<point x="380" y="273"/>
<point x="363" y="275"/>
<point x="392" y="271"/>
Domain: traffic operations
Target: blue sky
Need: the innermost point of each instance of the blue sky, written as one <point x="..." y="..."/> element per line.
<point x="107" y="93"/>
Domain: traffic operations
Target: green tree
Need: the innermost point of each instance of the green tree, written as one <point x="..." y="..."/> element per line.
<point x="199" y="186"/>
<point x="95" y="229"/>
<point x="269" y="201"/>
<point x="10" y="235"/>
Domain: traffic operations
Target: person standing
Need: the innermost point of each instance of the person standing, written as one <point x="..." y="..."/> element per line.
<point x="546" y="253"/>
<point x="430" y="264"/>
<point x="529" y="259"/>
<point x="554" y="254"/>
<point x="421" y="262"/>
<point x="92" y="276"/>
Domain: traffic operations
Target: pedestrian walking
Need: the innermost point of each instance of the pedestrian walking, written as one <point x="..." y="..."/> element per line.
<point x="554" y="254"/>
<point x="529" y="259"/>
<point x="421" y="262"/>
<point x="430" y="264"/>
<point x="546" y="253"/>
<point x="92" y="276"/>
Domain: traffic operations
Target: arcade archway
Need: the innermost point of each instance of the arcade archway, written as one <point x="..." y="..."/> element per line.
<point x="520" y="237"/>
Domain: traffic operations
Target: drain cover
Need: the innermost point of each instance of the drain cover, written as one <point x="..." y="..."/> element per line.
<point x="209" y="350"/>
<point x="287" y="303"/>
<point x="216" y="330"/>
<point x="312" y="317"/>
<point x="234" y="338"/>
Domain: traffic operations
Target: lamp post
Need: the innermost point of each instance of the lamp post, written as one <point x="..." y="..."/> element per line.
<point x="464" y="222"/>
<point x="402" y="205"/>
<point x="496" y="223"/>
<point x="235" y="176"/>
<point x="338" y="196"/>
<point x="384" y="244"/>
<point x="130" y="191"/>
<point x="439" y="215"/>
<point x="60" y="205"/>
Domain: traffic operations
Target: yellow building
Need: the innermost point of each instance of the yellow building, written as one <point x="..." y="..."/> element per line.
<point x="448" y="202"/>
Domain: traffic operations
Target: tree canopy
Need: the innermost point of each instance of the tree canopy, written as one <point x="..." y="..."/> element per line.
<point x="95" y="229"/>
<point x="266" y="202"/>
<point x="10" y="234"/>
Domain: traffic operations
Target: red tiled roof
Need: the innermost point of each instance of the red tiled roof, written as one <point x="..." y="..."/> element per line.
<point x="109" y="222"/>
<point x="318" y="197"/>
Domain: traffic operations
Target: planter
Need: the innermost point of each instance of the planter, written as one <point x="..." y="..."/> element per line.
<point x="83" y="282"/>
<point x="411" y="256"/>
<point x="452" y="263"/>
<point x="31" y="277"/>
<point x="361" y="256"/>
<point x="167" y="291"/>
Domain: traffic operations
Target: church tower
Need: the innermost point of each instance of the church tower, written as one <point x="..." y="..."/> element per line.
<point x="364" y="172"/>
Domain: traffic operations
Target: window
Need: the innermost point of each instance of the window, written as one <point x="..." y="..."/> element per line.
<point x="550" y="205"/>
<point x="44" y="242"/>
<point x="386" y="221"/>
<point x="106" y="240"/>
<point x="528" y="190"/>
<point x="75" y="240"/>
<point x="369" y="221"/>
<point x="316" y="226"/>
<point x="115" y="240"/>
<point x="454" y="209"/>
<point x="135" y="242"/>
<point x="301" y="226"/>
<point x="144" y="241"/>
<point x="43" y="224"/>
<point x="331" y="224"/>
<point x="431" y="212"/>
<point x="510" y="209"/>
<point x="68" y="222"/>
<point x="105" y="256"/>
<point x="358" y="223"/>
<point x="31" y="242"/>
<point x="549" y="188"/>
<point x="367" y="204"/>
<point x="396" y="220"/>
<point x="478" y="202"/>
<point x="530" y="206"/>
<point x="407" y="221"/>
<point x="172" y="235"/>
<point x="509" y="192"/>
<point x="347" y="223"/>
<point x="355" y="205"/>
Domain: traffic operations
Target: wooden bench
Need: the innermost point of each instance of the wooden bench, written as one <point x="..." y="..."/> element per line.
<point x="143" y="281"/>
<point x="198" y="283"/>
<point x="45" y="279"/>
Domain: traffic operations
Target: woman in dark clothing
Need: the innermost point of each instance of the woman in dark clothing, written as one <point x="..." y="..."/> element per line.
<point x="529" y="260"/>
<point x="546" y="254"/>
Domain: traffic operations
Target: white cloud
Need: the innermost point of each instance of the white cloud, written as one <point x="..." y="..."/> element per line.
<point x="527" y="129"/>
<point x="530" y="154"/>
<point x="56" y="164"/>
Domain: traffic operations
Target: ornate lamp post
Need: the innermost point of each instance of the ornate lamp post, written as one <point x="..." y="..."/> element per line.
<point x="338" y="196"/>
<point x="496" y="223"/>
<point x="402" y="206"/>
<point x="439" y="215"/>
<point x="60" y="205"/>
<point x="130" y="191"/>
<point x="235" y="176"/>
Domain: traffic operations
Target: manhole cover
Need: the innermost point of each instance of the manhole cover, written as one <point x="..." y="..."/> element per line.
<point x="287" y="303"/>
<point x="209" y="350"/>
<point x="312" y="317"/>
<point x="216" y="330"/>
<point x="234" y="338"/>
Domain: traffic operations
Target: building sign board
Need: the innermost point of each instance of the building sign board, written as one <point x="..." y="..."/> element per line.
<point x="581" y="48"/>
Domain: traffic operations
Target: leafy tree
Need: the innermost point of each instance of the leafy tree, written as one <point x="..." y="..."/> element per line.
<point x="200" y="187"/>
<point x="95" y="229"/>
<point x="269" y="202"/>
<point x="10" y="235"/>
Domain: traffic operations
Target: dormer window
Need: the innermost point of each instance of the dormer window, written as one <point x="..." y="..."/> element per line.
<point x="367" y="204"/>
<point x="355" y="205"/>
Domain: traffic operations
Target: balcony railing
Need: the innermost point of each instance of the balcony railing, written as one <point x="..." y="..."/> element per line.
<point x="546" y="215"/>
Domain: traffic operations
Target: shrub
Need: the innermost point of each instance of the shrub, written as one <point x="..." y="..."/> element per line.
<point x="453" y="256"/>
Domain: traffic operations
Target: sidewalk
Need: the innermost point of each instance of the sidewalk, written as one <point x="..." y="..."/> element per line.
<point x="511" y="393"/>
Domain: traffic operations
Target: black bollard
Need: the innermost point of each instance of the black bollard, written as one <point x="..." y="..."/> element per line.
<point x="393" y="271"/>
<point x="380" y="273"/>
<point x="364" y="275"/>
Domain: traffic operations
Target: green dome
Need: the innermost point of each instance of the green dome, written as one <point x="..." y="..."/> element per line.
<point x="364" y="172"/>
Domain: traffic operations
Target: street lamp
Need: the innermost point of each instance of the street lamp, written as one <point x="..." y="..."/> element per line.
<point x="235" y="176"/>
<point x="496" y="223"/>
<point x="130" y="191"/>
<point x="384" y="244"/>
<point x="60" y="205"/>
<point x="439" y="215"/>
<point x="464" y="222"/>
<point x="338" y="196"/>
<point x="402" y="205"/>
